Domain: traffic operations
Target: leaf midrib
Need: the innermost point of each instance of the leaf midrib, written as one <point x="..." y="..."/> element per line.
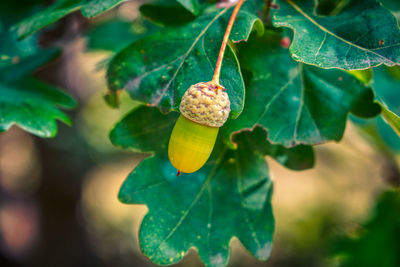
<point x="322" y="28"/>
<point x="194" y="202"/>
<point x="185" y="55"/>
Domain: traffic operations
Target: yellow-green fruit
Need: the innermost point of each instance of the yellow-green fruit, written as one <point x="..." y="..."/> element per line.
<point x="204" y="108"/>
<point x="190" y="144"/>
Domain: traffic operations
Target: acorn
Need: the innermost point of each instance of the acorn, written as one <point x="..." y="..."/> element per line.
<point x="204" y="109"/>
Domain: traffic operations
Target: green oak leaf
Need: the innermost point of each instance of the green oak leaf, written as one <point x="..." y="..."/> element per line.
<point x="167" y="12"/>
<point x="25" y="101"/>
<point x="144" y="130"/>
<point x="363" y="75"/>
<point x="383" y="130"/>
<point x="379" y="236"/>
<point x="140" y="128"/>
<point x="197" y="210"/>
<point x="33" y="106"/>
<point x="191" y="5"/>
<point x="13" y="51"/>
<point x="185" y="211"/>
<point x="329" y="7"/>
<point x="294" y="102"/>
<point x="364" y="34"/>
<point x="120" y="33"/>
<point x="386" y="84"/>
<point x="61" y="8"/>
<point x="296" y="158"/>
<point x="24" y="65"/>
<point x="158" y="69"/>
<point x="392" y="119"/>
<point x="391" y="4"/>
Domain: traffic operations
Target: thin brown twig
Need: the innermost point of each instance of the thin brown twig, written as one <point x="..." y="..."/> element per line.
<point x="225" y="42"/>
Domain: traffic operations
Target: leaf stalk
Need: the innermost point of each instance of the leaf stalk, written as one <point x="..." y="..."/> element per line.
<point x="218" y="66"/>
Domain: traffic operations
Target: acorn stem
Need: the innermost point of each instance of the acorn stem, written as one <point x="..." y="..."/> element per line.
<point x="225" y="42"/>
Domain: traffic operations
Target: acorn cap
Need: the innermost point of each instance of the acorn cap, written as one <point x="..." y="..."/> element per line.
<point x="206" y="103"/>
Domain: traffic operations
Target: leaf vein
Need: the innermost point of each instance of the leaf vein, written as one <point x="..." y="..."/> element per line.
<point x="298" y="9"/>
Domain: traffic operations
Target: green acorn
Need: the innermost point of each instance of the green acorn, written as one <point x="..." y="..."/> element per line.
<point x="204" y="108"/>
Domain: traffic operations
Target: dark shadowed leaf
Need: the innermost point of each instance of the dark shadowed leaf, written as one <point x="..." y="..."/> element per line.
<point x="191" y="5"/>
<point x="61" y="8"/>
<point x="114" y="35"/>
<point x="25" y="101"/>
<point x="167" y="12"/>
<point x="297" y="103"/>
<point x="391" y="4"/>
<point x="297" y="158"/>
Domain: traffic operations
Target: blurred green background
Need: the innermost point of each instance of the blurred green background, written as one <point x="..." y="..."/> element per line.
<point x="58" y="197"/>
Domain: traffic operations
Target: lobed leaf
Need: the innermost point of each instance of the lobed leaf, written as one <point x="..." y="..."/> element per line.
<point x="191" y="210"/>
<point x="144" y="130"/>
<point x="392" y="5"/>
<point x="157" y="70"/>
<point x="197" y="210"/>
<point x="24" y="100"/>
<point x="61" y="8"/>
<point x="363" y="35"/>
<point x="33" y="106"/>
<point x="386" y="85"/>
<point x="119" y="33"/>
<point x="167" y="12"/>
<point x="392" y="119"/>
<point x="294" y="102"/>
<point x="191" y="5"/>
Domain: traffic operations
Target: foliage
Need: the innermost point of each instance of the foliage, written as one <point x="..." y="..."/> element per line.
<point x="157" y="70"/>
<point x="234" y="182"/>
<point x="364" y="34"/>
<point x="293" y="76"/>
<point x="61" y="8"/>
<point x="25" y="100"/>
<point x="315" y="101"/>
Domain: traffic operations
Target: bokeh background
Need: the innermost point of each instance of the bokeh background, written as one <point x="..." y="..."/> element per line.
<point x="58" y="197"/>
